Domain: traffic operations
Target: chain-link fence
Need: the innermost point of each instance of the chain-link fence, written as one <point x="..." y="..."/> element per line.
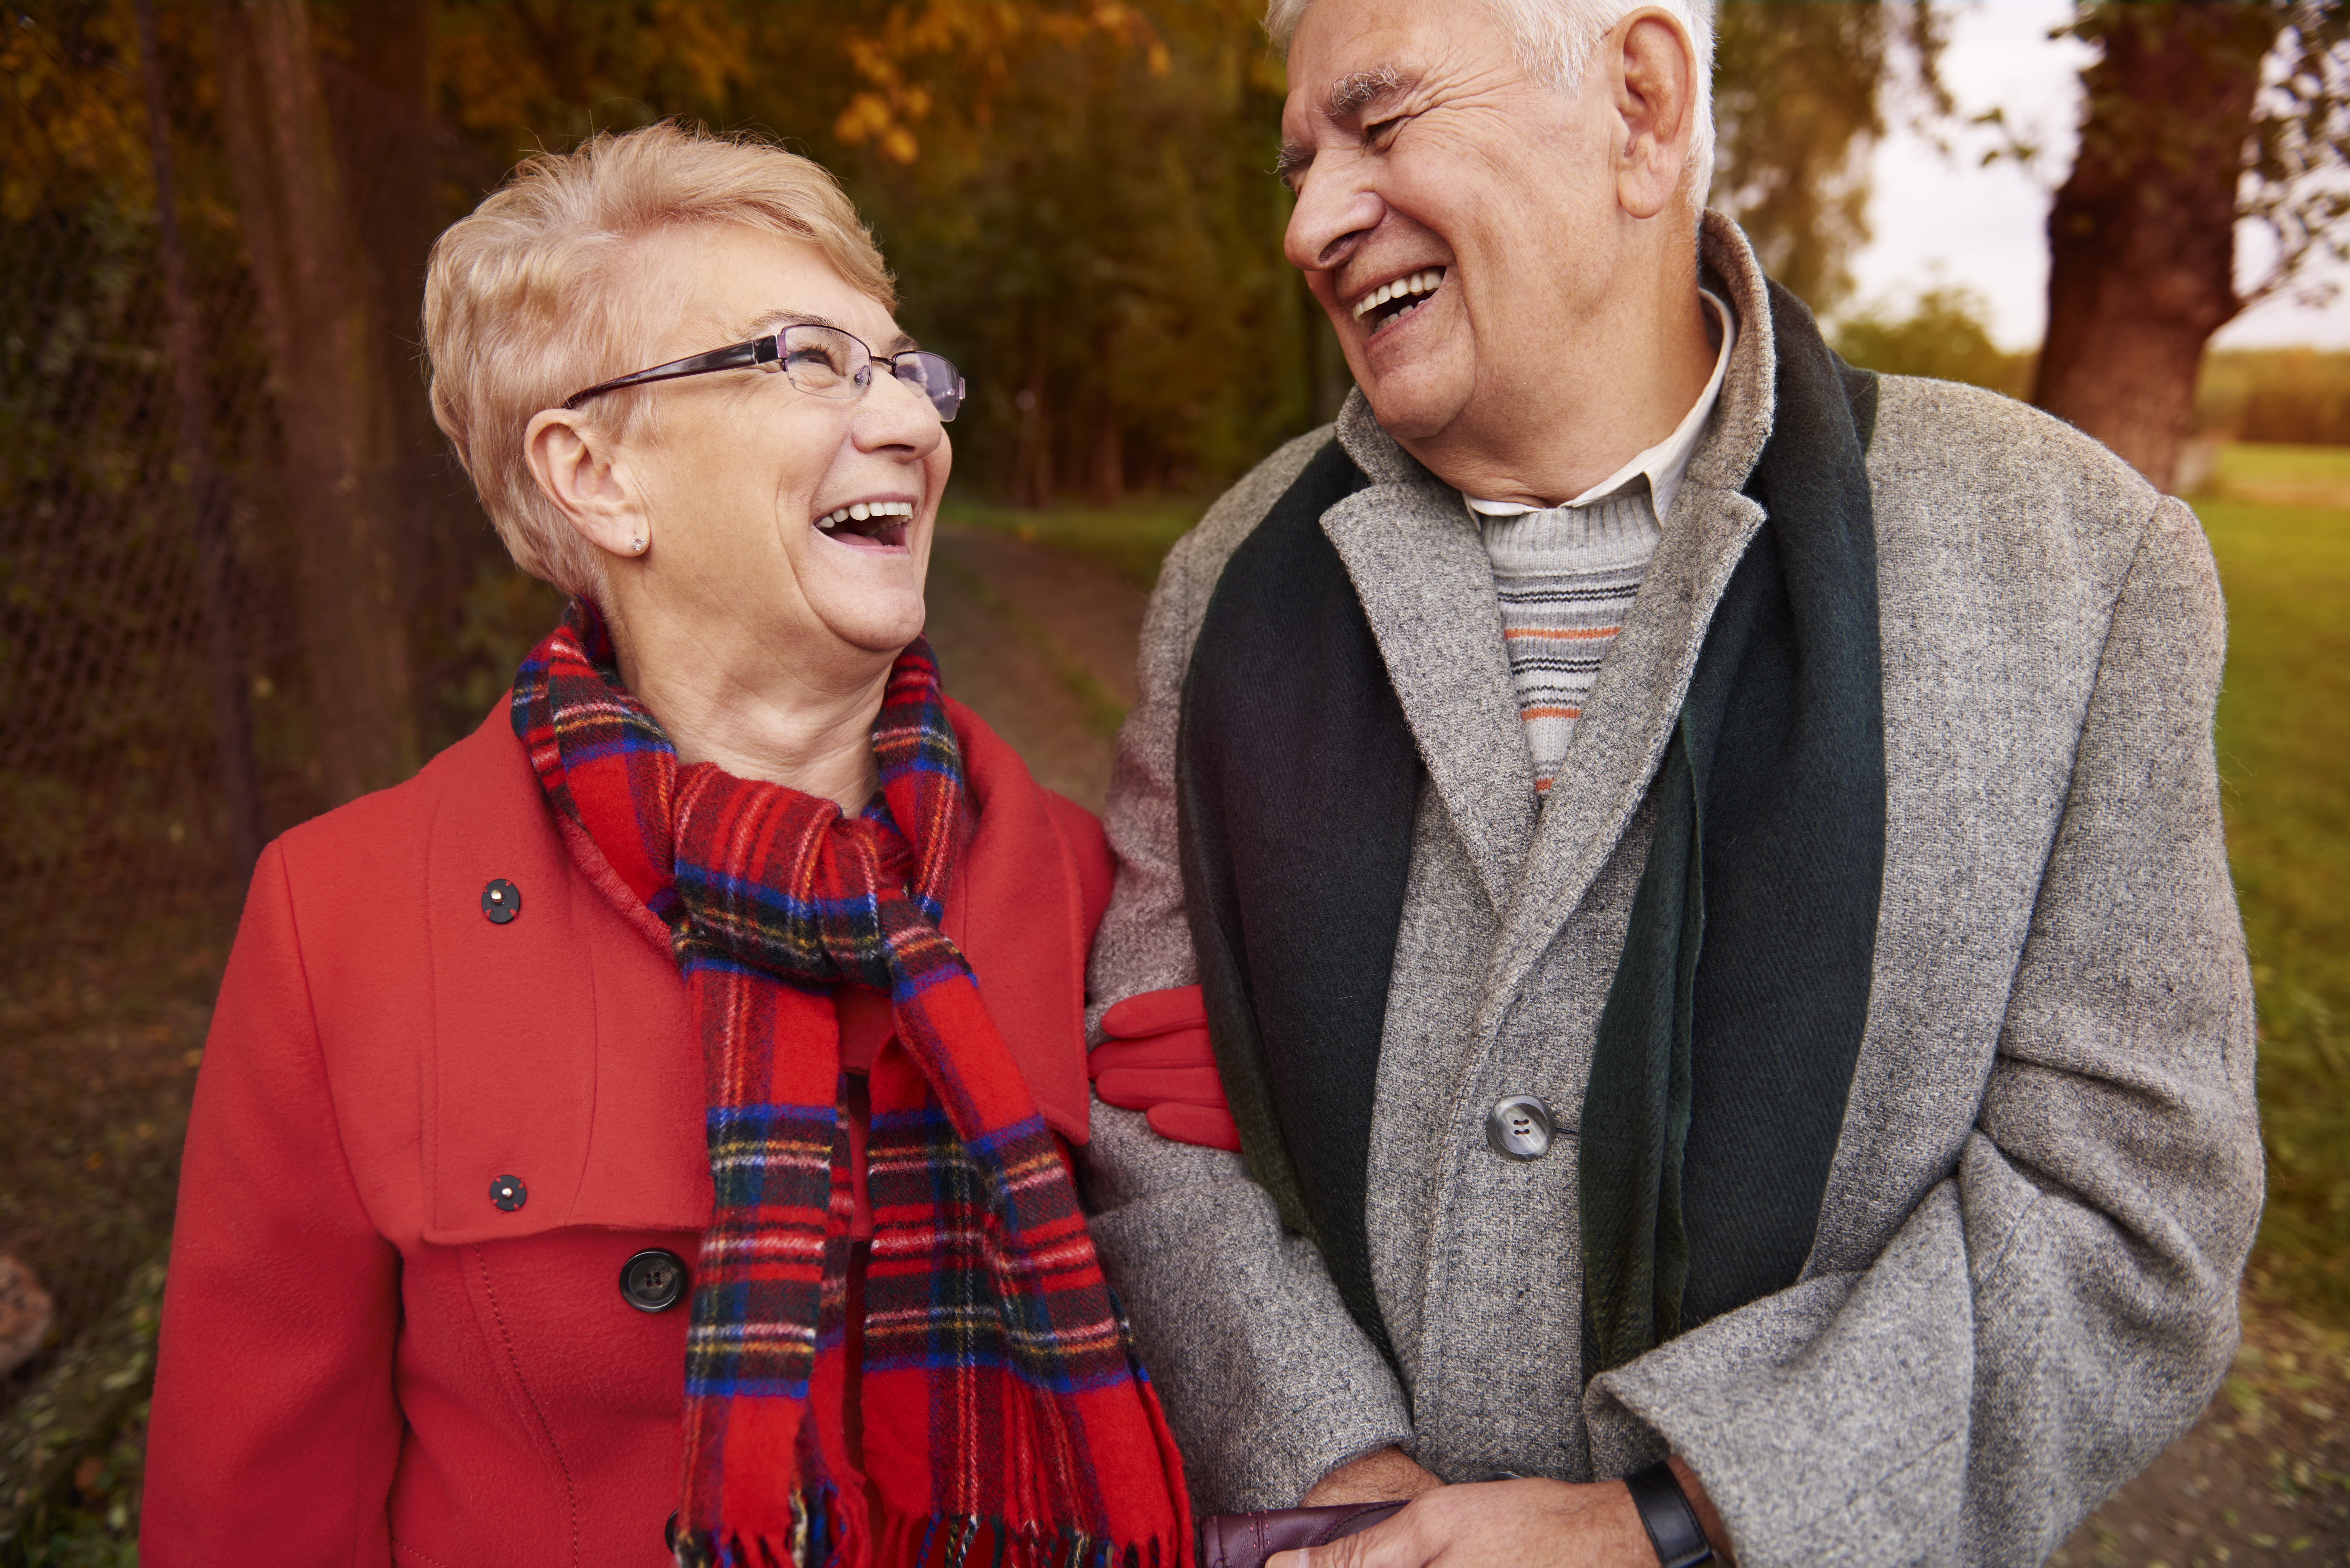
<point x="119" y="631"/>
<point x="232" y="592"/>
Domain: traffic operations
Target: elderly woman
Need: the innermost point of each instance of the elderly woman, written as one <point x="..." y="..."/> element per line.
<point x="637" y="1133"/>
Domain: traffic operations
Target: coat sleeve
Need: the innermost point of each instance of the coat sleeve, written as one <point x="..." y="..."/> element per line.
<point x="275" y="1429"/>
<point x="1267" y="1382"/>
<point x="2060" y="1307"/>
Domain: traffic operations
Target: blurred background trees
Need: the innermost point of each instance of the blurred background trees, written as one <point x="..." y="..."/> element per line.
<point x="2196" y="115"/>
<point x="1799" y="92"/>
<point x="1073" y="189"/>
<point x="211" y="322"/>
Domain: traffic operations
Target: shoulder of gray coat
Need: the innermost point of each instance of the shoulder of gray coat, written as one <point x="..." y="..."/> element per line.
<point x="2012" y="460"/>
<point x="1201" y="554"/>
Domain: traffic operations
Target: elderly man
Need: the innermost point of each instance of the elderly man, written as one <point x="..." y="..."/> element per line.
<point x="1703" y="868"/>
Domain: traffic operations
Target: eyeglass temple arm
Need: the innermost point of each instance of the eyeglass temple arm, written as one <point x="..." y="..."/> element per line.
<point x="758" y="351"/>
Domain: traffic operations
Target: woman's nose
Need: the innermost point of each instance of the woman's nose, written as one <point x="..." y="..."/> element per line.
<point x="895" y="413"/>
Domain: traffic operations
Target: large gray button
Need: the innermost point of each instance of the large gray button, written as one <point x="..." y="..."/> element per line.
<point x="1519" y="1128"/>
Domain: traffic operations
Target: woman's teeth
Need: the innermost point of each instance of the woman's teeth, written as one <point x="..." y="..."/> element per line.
<point x="865" y="510"/>
<point x="1418" y="283"/>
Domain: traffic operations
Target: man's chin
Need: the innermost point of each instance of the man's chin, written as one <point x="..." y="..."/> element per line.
<point x="1413" y="407"/>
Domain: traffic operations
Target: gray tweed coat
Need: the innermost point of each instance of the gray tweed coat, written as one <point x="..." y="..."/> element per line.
<point x="2023" y="1283"/>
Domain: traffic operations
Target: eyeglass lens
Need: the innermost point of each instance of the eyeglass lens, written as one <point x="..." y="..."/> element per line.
<point x="827" y="362"/>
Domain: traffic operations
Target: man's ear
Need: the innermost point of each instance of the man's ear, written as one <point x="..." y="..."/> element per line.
<point x="580" y="469"/>
<point x="1656" y="95"/>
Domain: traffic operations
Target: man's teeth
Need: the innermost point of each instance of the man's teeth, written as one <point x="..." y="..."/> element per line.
<point x="1418" y="283"/>
<point x="863" y="510"/>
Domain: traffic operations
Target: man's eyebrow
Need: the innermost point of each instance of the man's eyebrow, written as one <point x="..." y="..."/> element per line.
<point x="1351" y="93"/>
<point x="1347" y="97"/>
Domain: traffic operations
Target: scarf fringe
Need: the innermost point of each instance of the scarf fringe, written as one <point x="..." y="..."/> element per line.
<point x="935" y="1540"/>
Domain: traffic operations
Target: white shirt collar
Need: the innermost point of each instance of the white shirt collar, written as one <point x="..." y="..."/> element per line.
<point x="1663" y="464"/>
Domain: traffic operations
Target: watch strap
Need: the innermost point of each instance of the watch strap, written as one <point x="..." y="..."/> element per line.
<point x="1667" y="1517"/>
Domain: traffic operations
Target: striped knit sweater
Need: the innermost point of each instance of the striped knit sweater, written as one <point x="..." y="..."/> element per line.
<point x="1566" y="576"/>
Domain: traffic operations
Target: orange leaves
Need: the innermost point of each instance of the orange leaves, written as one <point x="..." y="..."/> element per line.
<point x="708" y="44"/>
<point x="886" y="111"/>
<point x="70" y="114"/>
<point x="502" y="65"/>
<point x="926" y="51"/>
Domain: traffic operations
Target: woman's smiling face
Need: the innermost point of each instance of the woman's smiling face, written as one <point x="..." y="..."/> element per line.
<point x="741" y="477"/>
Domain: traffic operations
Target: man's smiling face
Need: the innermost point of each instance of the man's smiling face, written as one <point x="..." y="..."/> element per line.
<point x="1453" y="216"/>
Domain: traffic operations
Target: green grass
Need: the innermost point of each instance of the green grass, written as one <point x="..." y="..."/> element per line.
<point x="1129" y="538"/>
<point x="2294" y="475"/>
<point x="2285" y="769"/>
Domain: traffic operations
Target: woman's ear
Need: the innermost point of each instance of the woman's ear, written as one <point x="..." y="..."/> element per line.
<point x="581" y="470"/>
<point x="1656" y="94"/>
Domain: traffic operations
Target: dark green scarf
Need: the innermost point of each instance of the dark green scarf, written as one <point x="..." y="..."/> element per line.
<point x="1726" y="1045"/>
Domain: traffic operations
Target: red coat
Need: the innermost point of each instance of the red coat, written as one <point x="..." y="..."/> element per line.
<point x="364" y="1359"/>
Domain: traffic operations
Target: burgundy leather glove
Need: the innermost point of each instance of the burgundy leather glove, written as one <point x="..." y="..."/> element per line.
<point x="1156" y="1059"/>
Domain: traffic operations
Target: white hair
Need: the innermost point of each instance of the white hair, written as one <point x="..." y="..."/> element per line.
<point x="1554" y="40"/>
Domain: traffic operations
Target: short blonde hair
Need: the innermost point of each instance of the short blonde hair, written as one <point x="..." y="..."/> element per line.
<point x="1554" y="40"/>
<point x="521" y="307"/>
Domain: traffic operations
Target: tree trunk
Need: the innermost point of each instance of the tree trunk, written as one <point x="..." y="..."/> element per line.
<point x="330" y="378"/>
<point x="1107" y="454"/>
<point x="2142" y="237"/>
<point x="1032" y="452"/>
<point x="237" y="776"/>
<point x="381" y="103"/>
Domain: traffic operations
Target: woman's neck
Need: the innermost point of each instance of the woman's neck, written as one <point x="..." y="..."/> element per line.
<point x="806" y="723"/>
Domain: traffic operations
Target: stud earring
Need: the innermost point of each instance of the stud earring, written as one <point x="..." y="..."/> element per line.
<point x="636" y="547"/>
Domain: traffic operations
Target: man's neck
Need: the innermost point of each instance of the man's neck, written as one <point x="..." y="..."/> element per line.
<point x="1593" y="400"/>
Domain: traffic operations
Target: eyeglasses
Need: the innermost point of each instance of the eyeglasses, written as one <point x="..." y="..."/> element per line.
<point x="822" y="361"/>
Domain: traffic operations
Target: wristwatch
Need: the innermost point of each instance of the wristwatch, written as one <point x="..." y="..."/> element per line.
<point x="1667" y="1517"/>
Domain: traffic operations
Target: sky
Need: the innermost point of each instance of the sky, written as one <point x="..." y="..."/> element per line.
<point x="1937" y="218"/>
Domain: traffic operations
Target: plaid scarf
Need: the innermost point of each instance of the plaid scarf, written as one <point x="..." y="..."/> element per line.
<point x="1006" y="1419"/>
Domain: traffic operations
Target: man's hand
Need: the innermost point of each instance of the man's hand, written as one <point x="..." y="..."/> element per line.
<point x="1388" y="1476"/>
<point x="1514" y="1523"/>
<point x="1505" y="1524"/>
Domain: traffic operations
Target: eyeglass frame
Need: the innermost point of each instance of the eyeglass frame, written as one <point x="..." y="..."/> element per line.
<point x="766" y="353"/>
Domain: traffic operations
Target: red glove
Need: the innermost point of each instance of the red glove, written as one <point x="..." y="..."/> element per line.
<point x="1156" y="1059"/>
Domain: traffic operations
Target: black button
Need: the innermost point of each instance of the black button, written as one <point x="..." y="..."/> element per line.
<point x="501" y="901"/>
<point x="685" y="1548"/>
<point x="653" y="1280"/>
<point x="508" y="1193"/>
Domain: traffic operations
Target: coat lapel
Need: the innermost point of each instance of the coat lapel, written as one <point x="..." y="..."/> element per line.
<point x="1427" y="586"/>
<point x="1630" y="715"/>
<point x="562" y="1052"/>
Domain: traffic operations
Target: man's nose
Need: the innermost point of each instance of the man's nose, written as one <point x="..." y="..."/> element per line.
<point x="1330" y="220"/>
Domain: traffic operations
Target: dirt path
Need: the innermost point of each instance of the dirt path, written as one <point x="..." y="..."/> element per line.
<point x="2264" y="1477"/>
<point x="1044" y="644"/>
